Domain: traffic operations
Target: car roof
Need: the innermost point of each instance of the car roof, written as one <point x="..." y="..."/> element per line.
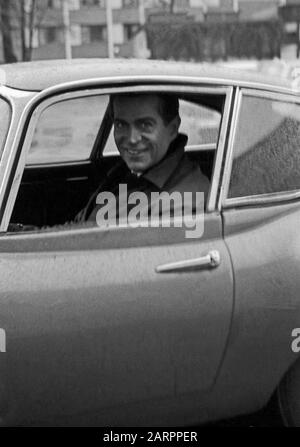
<point x="39" y="75"/>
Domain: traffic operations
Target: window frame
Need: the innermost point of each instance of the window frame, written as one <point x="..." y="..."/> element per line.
<point x="261" y="199"/>
<point x="50" y="31"/>
<point x="87" y="31"/>
<point x="106" y="91"/>
<point x="9" y="123"/>
<point x="41" y="102"/>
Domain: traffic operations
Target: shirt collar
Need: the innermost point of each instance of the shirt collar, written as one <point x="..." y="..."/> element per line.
<point x="160" y="173"/>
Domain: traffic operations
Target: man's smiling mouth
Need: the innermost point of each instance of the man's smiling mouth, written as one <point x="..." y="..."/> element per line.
<point x="136" y="151"/>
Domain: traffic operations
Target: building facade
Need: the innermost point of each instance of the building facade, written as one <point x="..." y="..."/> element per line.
<point x="88" y="30"/>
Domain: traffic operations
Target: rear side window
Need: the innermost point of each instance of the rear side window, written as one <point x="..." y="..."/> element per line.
<point x="5" y="114"/>
<point x="66" y="130"/>
<point x="266" y="155"/>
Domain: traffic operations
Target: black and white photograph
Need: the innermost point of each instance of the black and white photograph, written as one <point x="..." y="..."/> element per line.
<point x="149" y="212"/>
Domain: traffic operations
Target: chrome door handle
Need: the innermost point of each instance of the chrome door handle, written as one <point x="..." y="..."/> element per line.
<point x="211" y="260"/>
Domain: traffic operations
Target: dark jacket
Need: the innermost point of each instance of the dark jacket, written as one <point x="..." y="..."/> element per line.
<point x="175" y="172"/>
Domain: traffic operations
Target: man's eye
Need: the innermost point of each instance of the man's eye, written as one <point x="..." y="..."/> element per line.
<point x="119" y="125"/>
<point x="146" y="125"/>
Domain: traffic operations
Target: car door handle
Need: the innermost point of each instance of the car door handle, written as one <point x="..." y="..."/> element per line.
<point x="211" y="260"/>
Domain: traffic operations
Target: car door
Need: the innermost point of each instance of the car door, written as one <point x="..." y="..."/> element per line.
<point x="261" y="212"/>
<point x="118" y="325"/>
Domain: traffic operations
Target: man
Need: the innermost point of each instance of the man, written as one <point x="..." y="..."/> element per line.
<point x="146" y="132"/>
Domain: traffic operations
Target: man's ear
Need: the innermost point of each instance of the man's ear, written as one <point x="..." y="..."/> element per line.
<point x="174" y="126"/>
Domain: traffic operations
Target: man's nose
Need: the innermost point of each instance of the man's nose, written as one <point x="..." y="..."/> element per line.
<point x="134" y="135"/>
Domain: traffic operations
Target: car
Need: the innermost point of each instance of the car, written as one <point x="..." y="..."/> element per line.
<point x="141" y="325"/>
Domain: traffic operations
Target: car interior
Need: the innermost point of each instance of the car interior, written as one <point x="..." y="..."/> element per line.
<point x="52" y="194"/>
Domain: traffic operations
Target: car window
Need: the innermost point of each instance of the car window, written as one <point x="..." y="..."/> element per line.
<point x="266" y="153"/>
<point x="53" y="193"/>
<point x="200" y="123"/>
<point x="66" y="130"/>
<point x="5" y="113"/>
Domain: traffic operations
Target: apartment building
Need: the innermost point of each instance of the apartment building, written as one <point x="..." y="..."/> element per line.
<point x="88" y="30"/>
<point x="88" y="24"/>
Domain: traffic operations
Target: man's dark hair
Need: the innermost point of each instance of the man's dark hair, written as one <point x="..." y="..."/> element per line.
<point x="168" y="104"/>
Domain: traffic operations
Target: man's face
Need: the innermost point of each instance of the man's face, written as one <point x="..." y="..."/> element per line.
<point x="140" y="133"/>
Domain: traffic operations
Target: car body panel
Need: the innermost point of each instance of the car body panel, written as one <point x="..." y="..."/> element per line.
<point x="264" y="244"/>
<point x="41" y="75"/>
<point x="82" y="312"/>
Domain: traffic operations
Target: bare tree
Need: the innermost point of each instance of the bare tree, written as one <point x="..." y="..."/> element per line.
<point x="19" y="21"/>
<point x="27" y="16"/>
<point x="6" y="31"/>
<point x="168" y="4"/>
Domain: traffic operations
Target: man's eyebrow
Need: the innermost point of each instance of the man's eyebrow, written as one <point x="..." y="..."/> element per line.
<point x="146" y="118"/>
<point x="121" y="120"/>
<point x="138" y="120"/>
